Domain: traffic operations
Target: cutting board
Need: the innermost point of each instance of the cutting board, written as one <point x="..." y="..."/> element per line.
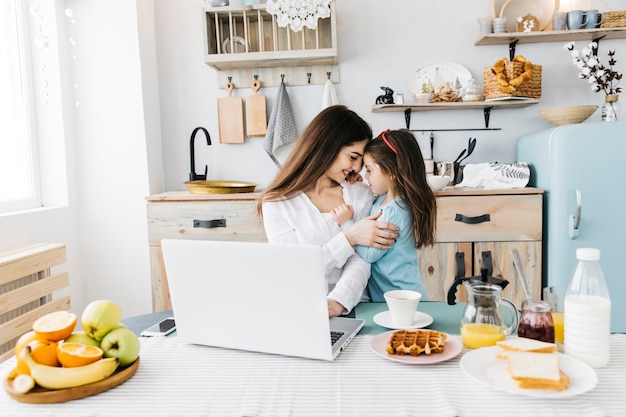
<point x="256" y="114"/>
<point x="230" y="116"/>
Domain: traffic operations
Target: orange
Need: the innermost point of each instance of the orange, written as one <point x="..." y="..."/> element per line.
<point x="73" y="354"/>
<point x="55" y="326"/>
<point x="24" y="340"/>
<point x="42" y="351"/>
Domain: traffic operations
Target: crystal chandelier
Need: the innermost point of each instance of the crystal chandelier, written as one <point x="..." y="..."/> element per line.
<point x="299" y="13"/>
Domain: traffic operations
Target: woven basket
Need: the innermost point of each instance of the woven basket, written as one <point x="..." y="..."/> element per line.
<point x="530" y="89"/>
<point x="614" y="19"/>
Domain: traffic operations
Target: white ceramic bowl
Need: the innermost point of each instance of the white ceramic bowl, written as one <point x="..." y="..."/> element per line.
<point x="437" y="182"/>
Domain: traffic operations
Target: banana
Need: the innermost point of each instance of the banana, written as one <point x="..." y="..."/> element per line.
<point x="52" y="377"/>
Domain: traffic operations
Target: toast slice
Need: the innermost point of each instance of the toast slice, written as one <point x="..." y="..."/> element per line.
<point x="535" y="370"/>
<point x="523" y="344"/>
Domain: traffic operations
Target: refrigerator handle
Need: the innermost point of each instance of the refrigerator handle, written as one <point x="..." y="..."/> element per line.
<point x="574" y="220"/>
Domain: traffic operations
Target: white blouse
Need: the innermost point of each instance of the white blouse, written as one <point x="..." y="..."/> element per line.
<point x="298" y="221"/>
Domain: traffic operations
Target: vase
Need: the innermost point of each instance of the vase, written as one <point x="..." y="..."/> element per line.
<point x="611" y="108"/>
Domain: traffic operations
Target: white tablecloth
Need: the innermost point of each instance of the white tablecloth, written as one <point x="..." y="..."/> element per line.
<point x="176" y="379"/>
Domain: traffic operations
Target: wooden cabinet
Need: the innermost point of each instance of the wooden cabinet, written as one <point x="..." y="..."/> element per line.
<point x="495" y="221"/>
<point x="180" y="215"/>
<point x="472" y="222"/>
<point x="246" y="41"/>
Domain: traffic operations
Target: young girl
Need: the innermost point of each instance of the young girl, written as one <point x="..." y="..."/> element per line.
<point x="394" y="169"/>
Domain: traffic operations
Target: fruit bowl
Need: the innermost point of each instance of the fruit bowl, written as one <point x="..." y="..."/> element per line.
<point x="437" y="182"/>
<point x="39" y="395"/>
<point x="567" y="115"/>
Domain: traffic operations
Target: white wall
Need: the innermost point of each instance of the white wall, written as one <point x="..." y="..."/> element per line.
<point x="380" y="43"/>
<point x="138" y="76"/>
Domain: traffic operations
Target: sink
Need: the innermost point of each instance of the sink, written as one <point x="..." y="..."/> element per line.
<point x="219" y="187"/>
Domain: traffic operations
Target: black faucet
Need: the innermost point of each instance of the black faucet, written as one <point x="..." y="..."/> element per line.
<point x="192" y="174"/>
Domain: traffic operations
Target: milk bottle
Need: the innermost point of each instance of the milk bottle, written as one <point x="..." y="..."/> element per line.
<point x="588" y="311"/>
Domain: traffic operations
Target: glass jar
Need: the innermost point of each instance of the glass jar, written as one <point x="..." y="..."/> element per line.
<point x="611" y="108"/>
<point x="536" y="321"/>
<point x="472" y="92"/>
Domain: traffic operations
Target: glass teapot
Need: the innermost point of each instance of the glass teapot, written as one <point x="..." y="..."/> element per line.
<point x="484" y="322"/>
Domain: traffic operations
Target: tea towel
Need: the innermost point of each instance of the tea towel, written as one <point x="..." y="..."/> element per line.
<point x="330" y="96"/>
<point x="494" y="176"/>
<point x="281" y="129"/>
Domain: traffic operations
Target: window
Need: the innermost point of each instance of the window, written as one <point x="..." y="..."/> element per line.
<point x="19" y="172"/>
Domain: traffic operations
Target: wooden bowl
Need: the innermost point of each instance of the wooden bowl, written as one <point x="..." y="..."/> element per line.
<point x="568" y="115"/>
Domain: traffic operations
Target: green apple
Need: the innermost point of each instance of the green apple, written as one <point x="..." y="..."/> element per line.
<point x="122" y="344"/>
<point x="81" y="337"/>
<point x="100" y="317"/>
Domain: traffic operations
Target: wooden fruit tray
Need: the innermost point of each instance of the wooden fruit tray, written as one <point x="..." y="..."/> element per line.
<point x="40" y="395"/>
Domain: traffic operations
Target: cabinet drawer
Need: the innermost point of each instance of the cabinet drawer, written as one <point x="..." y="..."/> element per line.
<point x="496" y="217"/>
<point x="176" y="220"/>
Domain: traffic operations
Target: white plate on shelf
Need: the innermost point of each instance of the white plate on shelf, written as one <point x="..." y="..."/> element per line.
<point x="483" y="365"/>
<point x="239" y="45"/>
<point x="541" y="9"/>
<point x="421" y="320"/>
<point x="447" y="71"/>
<point x="453" y="347"/>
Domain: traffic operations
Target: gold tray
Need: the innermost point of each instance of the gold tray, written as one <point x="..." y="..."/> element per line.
<point x="219" y="187"/>
<point x="39" y="395"/>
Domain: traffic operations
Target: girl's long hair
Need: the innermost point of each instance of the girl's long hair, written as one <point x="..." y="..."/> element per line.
<point x="405" y="167"/>
<point x="315" y="151"/>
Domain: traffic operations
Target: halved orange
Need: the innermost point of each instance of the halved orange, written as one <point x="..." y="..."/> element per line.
<point x="55" y="326"/>
<point x="72" y="354"/>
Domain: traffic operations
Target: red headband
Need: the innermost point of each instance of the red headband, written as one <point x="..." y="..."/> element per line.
<point x="387" y="142"/>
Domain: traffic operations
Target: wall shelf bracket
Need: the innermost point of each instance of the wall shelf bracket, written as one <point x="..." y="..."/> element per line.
<point x="512" y="45"/>
<point x="407" y="118"/>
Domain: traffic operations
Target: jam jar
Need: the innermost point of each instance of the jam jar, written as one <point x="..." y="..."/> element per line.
<point x="536" y="321"/>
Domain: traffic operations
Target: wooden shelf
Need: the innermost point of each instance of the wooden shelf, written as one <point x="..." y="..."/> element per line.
<point x="486" y="106"/>
<point x="552" y="36"/>
<point x="460" y="105"/>
<point x="263" y="48"/>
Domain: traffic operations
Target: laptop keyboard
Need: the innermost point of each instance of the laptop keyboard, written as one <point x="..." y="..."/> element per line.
<point x="334" y="336"/>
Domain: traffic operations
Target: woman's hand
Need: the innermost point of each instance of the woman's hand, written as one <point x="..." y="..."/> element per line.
<point x="370" y="232"/>
<point x="335" y="309"/>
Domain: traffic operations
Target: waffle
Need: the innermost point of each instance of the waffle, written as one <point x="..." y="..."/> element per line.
<point x="416" y="342"/>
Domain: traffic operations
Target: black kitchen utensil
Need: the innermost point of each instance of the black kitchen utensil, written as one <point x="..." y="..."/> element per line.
<point x="471" y="145"/>
<point x="458" y="158"/>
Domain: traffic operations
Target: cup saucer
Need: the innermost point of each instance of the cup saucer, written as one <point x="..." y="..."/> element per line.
<point x="421" y="320"/>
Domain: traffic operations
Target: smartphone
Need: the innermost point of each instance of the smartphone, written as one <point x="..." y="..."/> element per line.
<point x="162" y="328"/>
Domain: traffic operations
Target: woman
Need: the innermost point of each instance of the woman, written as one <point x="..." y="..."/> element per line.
<point x="318" y="176"/>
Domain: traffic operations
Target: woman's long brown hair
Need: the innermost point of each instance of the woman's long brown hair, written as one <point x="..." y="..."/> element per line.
<point x="398" y="154"/>
<point x="315" y="150"/>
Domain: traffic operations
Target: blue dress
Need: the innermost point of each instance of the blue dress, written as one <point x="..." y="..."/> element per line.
<point x="396" y="268"/>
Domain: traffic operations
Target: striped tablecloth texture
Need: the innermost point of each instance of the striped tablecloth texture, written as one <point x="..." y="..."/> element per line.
<point x="177" y="379"/>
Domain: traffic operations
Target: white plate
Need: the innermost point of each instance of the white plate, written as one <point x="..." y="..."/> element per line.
<point x="541" y="9"/>
<point x="239" y="45"/>
<point x="448" y="71"/>
<point x="453" y="347"/>
<point x="420" y="320"/>
<point x="483" y="365"/>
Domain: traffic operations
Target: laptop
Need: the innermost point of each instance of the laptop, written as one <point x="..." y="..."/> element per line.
<point x="254" y="296"/>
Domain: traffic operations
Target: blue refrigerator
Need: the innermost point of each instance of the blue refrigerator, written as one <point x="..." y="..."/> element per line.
<point x="582" y="170"/>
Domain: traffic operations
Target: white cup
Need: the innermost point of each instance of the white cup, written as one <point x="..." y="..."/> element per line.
<point x="402" y="306"/>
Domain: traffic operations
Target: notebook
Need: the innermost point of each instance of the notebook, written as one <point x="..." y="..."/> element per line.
<point x="255" y="297"/>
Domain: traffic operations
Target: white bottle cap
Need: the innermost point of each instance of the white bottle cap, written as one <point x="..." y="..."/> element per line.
<point x="588" y="254"/>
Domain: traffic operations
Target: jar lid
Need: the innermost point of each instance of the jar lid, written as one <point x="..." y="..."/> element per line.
<point x="588" y="254"/>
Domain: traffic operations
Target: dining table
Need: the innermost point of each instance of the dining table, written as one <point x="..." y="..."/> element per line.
<point x="175" y="378"/>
